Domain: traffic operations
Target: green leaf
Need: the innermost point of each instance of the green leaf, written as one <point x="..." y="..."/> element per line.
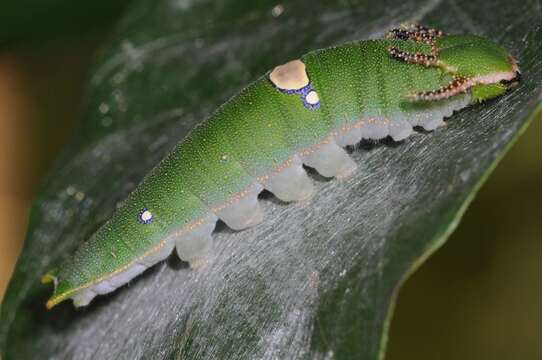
<point x="315" y="280"/>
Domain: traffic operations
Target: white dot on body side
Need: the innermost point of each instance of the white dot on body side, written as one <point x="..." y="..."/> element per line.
<point x="146" y="215"/>
<point x="312" y="98"/>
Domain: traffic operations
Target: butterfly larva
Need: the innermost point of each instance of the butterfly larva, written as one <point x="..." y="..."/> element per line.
<point x="302" y="112"/>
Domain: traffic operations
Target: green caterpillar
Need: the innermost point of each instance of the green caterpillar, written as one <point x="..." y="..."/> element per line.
<point x="303" y="112"/>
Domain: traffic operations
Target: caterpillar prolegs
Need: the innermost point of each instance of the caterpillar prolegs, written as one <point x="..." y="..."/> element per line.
<point x="302" y="113"/>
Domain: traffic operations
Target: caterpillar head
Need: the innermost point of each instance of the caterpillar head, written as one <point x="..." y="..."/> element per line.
<point x="477" y="65"/>
<point x="484" y="67"/>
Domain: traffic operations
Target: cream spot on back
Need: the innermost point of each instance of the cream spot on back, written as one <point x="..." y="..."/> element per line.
<point x="312" y="98"/>
<point x="290" y="76"/>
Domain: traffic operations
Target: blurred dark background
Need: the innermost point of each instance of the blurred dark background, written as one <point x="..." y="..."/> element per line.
<point x="478" y="297"/>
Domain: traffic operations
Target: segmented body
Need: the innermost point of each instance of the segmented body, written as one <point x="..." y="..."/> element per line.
<point x="303" y="112"/>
